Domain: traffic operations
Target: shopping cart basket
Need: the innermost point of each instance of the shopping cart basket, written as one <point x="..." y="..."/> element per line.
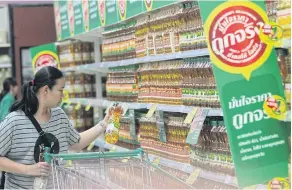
<point x="110" y="170"/>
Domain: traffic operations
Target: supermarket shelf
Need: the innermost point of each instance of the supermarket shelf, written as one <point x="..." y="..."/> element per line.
<point x="153" y="58"/>
<point x="187" y="168"/>
<point x="88" y="68"/>
<point x="6" y="45"/>
<point x="5" y="65"/>
<point x="103" y="66"/>
<point x="133" y="105"/>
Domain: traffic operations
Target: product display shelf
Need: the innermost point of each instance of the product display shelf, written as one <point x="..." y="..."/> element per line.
<point x="87" y="68"/>
<point x="132" y="105"/>
<point x="187" y="168"/>
<point x="103" y="66"/>
<point x="154" y="58"/>
<point x="5" y="65"/>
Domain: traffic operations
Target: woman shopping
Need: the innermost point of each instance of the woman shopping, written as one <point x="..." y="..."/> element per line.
<point x="21" y="140"/>
<point x="7" y="96"/>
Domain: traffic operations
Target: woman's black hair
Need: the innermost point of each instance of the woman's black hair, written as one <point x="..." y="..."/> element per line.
<point x="6" y="86"/>
<point x="46" y="76"/>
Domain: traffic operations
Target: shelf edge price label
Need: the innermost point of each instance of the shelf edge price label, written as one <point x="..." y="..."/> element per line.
<point x="90" y="146"/>
<point x="87" y="108"/>
<point x="151" y="110"/>
<point x="78" y="106"/>
<point x="193" y="177"/>
<point x="156" y="161"/>
<point x="65" y="96"/>
<point x="191" y="116"/>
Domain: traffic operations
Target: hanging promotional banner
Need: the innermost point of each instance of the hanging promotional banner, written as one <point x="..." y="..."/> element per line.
<point x="85" y="14"/>
<point x="102" y="12"/>
<point x="44" y="55"/>
<point x="71" y="17"/>
<point x="107" y="12"/>
<point x="78" y="10"/>
<point x="61" y="20"/>
<point x="57" y="20"/>
<point x="150" y="5"/>
<point x="74" y="17"/>
<point x="94" y="20"/>
<point x="250" y="87"/>
<point x="128" y="9"/>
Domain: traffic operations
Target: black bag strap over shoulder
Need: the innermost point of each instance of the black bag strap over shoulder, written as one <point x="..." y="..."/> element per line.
<point x="38" y="128"/>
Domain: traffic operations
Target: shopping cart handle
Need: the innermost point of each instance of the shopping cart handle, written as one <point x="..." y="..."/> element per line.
<point x="93" y="155"/>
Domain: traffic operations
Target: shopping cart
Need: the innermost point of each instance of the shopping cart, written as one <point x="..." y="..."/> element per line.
<point x="110" y="170"/>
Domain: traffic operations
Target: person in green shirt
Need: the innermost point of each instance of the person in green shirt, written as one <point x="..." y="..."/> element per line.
<point x="7" y="96"/>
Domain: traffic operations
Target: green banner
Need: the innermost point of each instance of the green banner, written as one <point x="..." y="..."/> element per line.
<point x="94" y="20"/>
<point x="250" y="88"/>
<point x="61" y="20"/>
<point x="78" y="16"/>
<point x="44" y="55"/>
<point x="149" y="5"/>
<point x="86" y="14"/>
<point x="107" y="12"/>
<point x="74" y="17"/>
<point x="128" y="9"/>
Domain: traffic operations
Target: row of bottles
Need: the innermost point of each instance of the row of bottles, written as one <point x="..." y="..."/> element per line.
<point x="188" y="82"/>
<point x="81" y="119"/>
<point x="75" y="53"/>
<point x="80" y="85"/>
<point x="122" y="83"/>
<point x="212" y="152"/>
<point x="175" y="147"/>
<point x="173" y="29"/>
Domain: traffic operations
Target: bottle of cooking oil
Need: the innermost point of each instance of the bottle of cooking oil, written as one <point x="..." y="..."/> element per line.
<point x="112" y="131"/>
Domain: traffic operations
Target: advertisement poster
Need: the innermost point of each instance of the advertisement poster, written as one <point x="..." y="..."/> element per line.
<point x="250" y="88"/>
<point x="44" y="55"/>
